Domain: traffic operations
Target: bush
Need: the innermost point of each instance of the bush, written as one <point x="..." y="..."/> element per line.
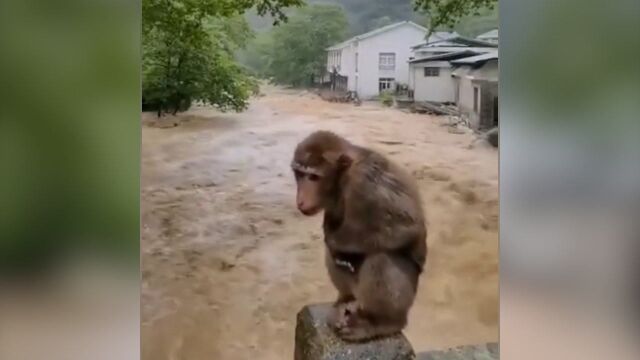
<point x="386" y="98"/>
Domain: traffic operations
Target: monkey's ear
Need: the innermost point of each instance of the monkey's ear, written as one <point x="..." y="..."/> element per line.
<point x="338" y="159"/>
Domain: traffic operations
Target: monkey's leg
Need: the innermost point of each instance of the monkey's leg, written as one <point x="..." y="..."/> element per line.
<point x="384" y="293"/>
<point x="343" y="281"/>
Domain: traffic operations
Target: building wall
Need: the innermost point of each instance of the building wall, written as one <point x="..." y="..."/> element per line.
<point x="398" y="41"/>
<point x="486" y="94"/>
<point x="431" y="88"/>
<point x="348" y="65"/>
<point x="465" y="99"/>
<point x="333" y="59"/>
<point x="344" y="61"/>
<point x="489" y="92"/>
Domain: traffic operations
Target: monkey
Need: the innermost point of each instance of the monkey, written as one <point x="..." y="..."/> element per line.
<point x="374" y="232"/>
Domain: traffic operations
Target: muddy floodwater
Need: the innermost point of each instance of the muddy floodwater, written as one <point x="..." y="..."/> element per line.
<point x="227" y="260"/>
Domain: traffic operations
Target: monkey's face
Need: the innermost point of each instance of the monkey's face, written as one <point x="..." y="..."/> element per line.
<point x="309" y="195"/>
<point x="318" y="162"/>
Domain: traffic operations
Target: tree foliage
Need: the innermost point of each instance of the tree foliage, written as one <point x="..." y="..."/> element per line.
<point x="366" y="15"/>
<point x="296" y="53"/>
<point x="474" y="25"/>
<point x="188" y="47"/>
<point x="447" y="13"/>
<point x="256" y="56"/>
<point x="363" y="15"/>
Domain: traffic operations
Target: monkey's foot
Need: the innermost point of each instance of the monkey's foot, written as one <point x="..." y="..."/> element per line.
<point x="343" y="314"/>
<point x="351" y="325"/>
<point x="364" y="331"/>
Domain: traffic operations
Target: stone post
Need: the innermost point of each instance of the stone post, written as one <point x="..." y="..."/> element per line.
<point x="316" y="341"/>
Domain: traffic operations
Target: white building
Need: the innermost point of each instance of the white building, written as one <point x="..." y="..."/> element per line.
<point x="440" y="35"/>
<point x="489" y="36"/>
<point x="430" y="77"/>
<point x="476" y="88"/>
<point x="431" y="69"/>
<point x="451" y="44"/>
<point x="378" y="60"/>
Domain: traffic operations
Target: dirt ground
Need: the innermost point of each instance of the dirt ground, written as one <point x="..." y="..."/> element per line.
<point x="228" y="261"/>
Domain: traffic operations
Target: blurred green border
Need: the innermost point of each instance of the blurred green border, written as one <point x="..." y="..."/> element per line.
<point x="69" y="133"/>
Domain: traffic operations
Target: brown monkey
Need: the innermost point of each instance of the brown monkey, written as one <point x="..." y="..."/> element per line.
<point x="374" y="230"/>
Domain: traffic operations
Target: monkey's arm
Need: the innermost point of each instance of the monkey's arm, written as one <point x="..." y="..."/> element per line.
<point x="350" y="238"/>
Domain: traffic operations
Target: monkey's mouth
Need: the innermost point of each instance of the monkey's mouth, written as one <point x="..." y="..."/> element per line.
<point x="310" y="212"/>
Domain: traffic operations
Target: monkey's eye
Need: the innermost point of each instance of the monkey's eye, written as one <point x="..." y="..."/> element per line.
<point x="298" y="174"/>
<point x="314" y="177"/>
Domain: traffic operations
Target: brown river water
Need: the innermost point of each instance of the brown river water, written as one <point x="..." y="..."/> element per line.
<point x="227" y="260"/>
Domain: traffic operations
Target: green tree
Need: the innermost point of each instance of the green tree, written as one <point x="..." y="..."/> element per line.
<point x="474" y="25"/>
<point x="297" y="50"/>
<point x="256" y="56"/>
<point x="187" y="49"/>
<point x="447" y="13"/>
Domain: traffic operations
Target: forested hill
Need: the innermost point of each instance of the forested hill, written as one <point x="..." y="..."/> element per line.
<point x="366" y="15"/>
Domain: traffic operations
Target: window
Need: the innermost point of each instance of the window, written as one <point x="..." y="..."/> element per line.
<point x="387" y="61"/>
<point x="431" y="72"/>
<point x="385" y="84"/>
<point x="475" y="99"/>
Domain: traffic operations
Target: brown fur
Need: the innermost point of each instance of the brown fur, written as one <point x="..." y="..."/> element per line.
<point x="373" y="220"/>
